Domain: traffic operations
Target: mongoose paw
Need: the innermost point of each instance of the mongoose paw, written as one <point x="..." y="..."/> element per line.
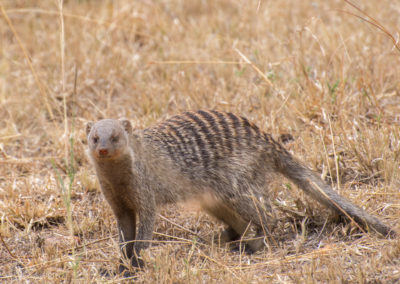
<point x="242" y="248"/>
<point x="104" y="272"/>
<point x="126" y="272"/>
<point x="129" y="274"/>
<point x="137" y="262"/>
<point x="250" y="246"/>
<point x="122" y="270"/>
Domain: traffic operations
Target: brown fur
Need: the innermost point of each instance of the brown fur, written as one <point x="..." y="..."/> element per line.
<point x="218" y="158"/>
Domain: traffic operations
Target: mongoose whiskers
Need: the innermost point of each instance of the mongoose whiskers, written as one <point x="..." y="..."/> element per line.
<point x="216" y="157"/>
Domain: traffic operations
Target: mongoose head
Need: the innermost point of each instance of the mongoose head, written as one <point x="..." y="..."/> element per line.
<point x="108" y="138"/>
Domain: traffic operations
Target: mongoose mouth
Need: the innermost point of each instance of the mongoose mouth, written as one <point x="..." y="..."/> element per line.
<point x="103" y="155"/>
<point x="107" y="155"/>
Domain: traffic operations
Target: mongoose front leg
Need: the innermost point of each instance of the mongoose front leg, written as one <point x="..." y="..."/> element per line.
<point x="127" y="234"/>
<point x="147" y="217"/>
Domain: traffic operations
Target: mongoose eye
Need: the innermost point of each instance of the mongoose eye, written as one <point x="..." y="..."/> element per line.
<point x="95" y="139"/>
<point x="114" y="139"/>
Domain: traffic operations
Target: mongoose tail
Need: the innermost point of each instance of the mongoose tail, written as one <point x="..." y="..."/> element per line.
<point x="314" y="186"/>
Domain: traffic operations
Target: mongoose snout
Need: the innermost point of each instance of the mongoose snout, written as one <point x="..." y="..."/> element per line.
<point x="103" y="152"/>
<point x="197" y="154"/>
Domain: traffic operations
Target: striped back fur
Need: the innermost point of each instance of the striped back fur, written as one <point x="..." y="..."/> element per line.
<point x="204" y="139"/>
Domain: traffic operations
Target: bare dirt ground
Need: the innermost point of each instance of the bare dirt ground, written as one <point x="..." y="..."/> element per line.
<point x="312" y="73"/>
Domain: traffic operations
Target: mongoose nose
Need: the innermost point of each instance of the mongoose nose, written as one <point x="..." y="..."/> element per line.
<point x="103" y="152"/>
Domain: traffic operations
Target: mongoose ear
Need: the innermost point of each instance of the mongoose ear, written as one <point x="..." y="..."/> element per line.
<point x="89" y="126"/>
<point x="126" y="124"/>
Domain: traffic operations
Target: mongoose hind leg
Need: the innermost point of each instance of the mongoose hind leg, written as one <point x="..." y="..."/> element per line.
<point x="237" y="229"/>
<point x="229" y="235"/>
<point x="236" y="225"/>
<point x="260" y="214"/>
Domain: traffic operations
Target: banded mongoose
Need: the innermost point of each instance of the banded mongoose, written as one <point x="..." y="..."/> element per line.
<point x="215" y="157"/>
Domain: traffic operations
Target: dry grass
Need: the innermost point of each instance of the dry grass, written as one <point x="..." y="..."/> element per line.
<point x="326" y="77"/>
